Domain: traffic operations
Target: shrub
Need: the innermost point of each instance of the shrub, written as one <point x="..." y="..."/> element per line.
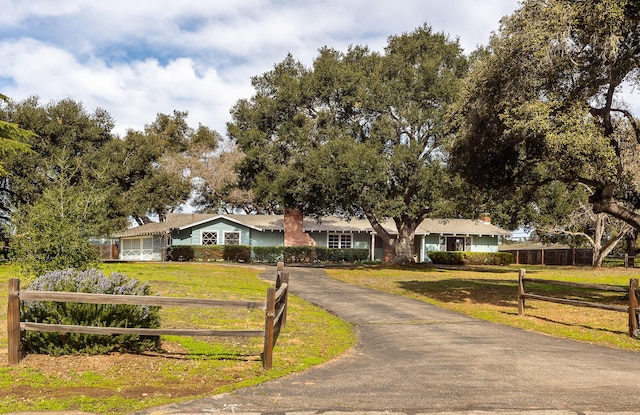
<point x="236" y="253"/>
<point x="488" y="258"/>
<point x="471" y="258"/>
<point x="202" y="253"/>
<point x="208" y="253"/>
<point x="267" y="254"/>
<point x="448" y="258"/>
<point x="180" y="253"/>
<point x="102" y="315"/>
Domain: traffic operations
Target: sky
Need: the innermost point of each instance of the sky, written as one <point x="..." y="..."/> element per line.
<point x="138" y="58"/>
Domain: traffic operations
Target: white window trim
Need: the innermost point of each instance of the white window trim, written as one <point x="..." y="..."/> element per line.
<point x="340" y="235"/>
<point x="224" y="236"/>
<point x="468" y="242"/>
<point x="217" y="236"/>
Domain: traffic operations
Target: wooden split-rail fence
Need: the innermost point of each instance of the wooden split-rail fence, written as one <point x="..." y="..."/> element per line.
<point x="632" y="309"/>
<point x="275" y="308"/>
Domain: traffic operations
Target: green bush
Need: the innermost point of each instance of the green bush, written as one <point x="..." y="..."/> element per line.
<point x="314" y="254"/>
<point x="202" y="253"/>
<point x="236" y="253"/>
<point x="471" y="258"/>
<point x="101" y="315"/>
<point x="266" y="254"/>
<point x="180" y="253"/>
<point x="208" y="253"/>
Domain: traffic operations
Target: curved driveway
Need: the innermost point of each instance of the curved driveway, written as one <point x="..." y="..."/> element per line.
<point x="412" y="357"/>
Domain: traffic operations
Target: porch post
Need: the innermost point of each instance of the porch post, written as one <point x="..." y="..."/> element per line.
<point x="373" y="246"/>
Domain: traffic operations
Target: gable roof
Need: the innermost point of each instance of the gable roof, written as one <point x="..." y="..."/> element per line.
<point x="183" y="221"/>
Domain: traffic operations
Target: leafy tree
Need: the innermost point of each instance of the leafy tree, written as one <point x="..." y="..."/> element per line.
<point x="545" y="103"/>
<point x="54" y="232"/>
<point x="12" y="138"/>
<point x="395" y="118"/>
<point x="148" y="169"/>
<point x="359" y="134"/>
<point x="62" y="130"/>
<point x="274" y="131"/>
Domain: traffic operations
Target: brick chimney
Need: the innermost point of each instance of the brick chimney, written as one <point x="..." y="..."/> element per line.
<point x="294" y="234"/>
<point x="485" y="217"/>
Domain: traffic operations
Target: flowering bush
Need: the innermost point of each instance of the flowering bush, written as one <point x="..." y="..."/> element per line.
<point x="102" y="315"/>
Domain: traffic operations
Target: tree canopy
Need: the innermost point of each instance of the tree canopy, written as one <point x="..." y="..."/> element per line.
<point x="545" y="102"/>
<point x="359" y="133"/>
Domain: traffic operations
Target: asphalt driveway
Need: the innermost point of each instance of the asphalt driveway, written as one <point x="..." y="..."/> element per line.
<point x="413" y="357"/>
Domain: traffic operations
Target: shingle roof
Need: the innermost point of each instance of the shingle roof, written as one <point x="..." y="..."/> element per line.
<point x="325" y="224"/>
<point x="459" y="227"/>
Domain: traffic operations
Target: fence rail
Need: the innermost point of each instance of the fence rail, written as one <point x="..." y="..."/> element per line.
<point x="632" y="309"/>
<point x="275" y="308"/>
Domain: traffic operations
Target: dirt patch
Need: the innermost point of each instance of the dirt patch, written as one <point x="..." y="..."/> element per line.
<point x="145" y="374"/>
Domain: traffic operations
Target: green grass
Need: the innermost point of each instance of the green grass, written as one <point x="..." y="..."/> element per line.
<point x="490" y="293"/>
<point x="191" y="366"/>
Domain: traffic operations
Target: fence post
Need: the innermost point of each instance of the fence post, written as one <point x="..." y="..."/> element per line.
<point x="521" y="274"/>
<point x="285" y="300"/>
<point x="633" y="305"/>
<point x="13" y="322"/>
<point x="267" y="354"/>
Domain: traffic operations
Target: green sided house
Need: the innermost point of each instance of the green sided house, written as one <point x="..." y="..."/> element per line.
<point x="149" y="242"/>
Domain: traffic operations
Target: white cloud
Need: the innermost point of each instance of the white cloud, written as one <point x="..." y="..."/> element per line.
<point x="139" y="58"/>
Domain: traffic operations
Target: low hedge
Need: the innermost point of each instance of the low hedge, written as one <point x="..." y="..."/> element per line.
<point x="265" y="254"/>
<point x="471" y="258"/>
<point x="309" y="254"/>
<point x="209" y="253"/>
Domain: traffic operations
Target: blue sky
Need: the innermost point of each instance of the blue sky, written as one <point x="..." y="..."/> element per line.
<point x="138" y="58"/>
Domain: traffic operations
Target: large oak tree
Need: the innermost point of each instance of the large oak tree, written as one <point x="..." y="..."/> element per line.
<point x="547" y="102"/>
<point x="359" y="133"/>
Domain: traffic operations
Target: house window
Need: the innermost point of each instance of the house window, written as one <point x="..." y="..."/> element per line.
<point x="455" y="243"/>
<point x="232" y="238"/>
<point x="339" y="241"/>
<point x="209" y="238"/>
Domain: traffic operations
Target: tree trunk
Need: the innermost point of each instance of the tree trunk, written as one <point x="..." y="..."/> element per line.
<point x="404" y="244"/>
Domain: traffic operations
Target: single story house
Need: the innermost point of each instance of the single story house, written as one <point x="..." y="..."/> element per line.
<point x="148" y="242"/>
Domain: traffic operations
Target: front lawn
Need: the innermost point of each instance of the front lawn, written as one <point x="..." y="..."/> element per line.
<point x="186" y="367"/>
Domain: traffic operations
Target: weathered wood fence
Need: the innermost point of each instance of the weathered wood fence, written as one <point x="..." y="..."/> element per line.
<point x="632" y="309"/>
<point x="629" y="261"/>
<point x="552" y="256"/>
<point x="275" y="315"/>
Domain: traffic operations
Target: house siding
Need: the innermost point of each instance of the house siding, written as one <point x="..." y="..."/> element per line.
<point x="266" y="238"/>
<point x="484" y="244"/>
<point x="193" y="236"/>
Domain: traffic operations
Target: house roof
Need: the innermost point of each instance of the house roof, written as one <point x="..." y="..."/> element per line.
<point x="183" y="221"/>
<point x="459" y="227"/>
